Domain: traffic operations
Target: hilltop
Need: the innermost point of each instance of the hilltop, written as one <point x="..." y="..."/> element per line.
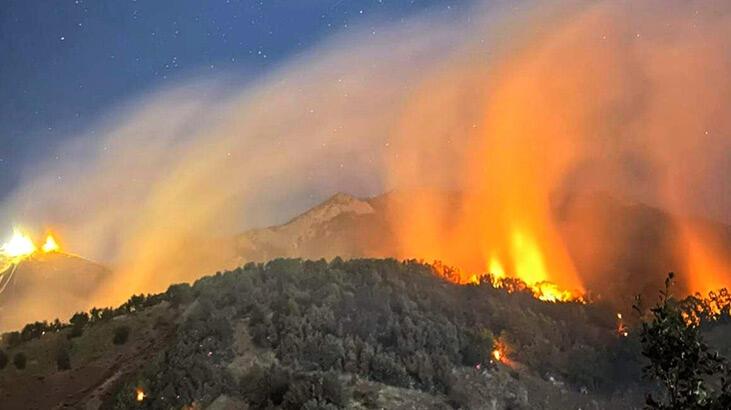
<point x="46" y="286"/>
<point x="360" y="333"/>
<point x="619" y="248"/>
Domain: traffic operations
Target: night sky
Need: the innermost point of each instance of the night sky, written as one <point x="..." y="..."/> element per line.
<point x="64" y="63"/>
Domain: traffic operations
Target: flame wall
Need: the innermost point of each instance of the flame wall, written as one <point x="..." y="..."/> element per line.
<point x="629" y="99"/>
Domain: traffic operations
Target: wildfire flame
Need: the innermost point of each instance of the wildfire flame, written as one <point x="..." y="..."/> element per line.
<point x="51" y="245"/>
<point x="499" y="351"/>
<point x="139" y="394"/>
<point x="19" y="246"/>
<point x="543" y="290"/>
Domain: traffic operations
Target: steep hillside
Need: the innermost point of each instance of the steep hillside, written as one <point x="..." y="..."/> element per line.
<point x="343" y="226"/>
<point x="356" y="334"/>
<point x="620" y="249"/>
<point x="47" y="285"/>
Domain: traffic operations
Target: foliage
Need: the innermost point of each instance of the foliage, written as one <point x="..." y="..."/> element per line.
<point x="693" y="377"/>
<point x="13" y="339"/>
<point x="63" y="360"/>
<point x="121" y="334"/>
<point x="3" y="359"/>
<point x="278" y="386"/>
<point x="19" y="360"/>
<point x="386" y="321"/>
<point x="381" y="321"/>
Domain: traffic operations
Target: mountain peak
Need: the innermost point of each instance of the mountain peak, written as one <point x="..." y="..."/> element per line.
<point x="338" y="204"/>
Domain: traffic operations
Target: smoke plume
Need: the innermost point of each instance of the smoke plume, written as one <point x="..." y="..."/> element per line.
<point x="518" y="109"/>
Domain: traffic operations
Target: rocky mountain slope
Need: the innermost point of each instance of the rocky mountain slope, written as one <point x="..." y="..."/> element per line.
<point x="620" y="249"/>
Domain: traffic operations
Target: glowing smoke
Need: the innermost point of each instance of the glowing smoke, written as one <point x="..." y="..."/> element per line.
<point x="516" y="108"/>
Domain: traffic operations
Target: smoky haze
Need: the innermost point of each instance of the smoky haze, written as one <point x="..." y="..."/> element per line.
<point x="519" y="108"/>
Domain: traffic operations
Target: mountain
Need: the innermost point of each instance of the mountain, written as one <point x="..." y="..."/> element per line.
<point x="620" y="249"/>
<point x="47" y="285"/>
<point x="343" y="225"/>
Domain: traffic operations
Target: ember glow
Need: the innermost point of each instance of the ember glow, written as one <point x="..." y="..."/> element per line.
<point x="622" y="329"/>
<point x="499" y="352"/>
<point x="139" y="394"/>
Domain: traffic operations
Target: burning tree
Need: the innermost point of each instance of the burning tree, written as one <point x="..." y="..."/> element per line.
<point x="692" y="376"/>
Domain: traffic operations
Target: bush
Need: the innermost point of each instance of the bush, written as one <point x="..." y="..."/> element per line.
<point x="692" y="375"/>
<point x="80" y="319"/>
<point x="76" y="331"/>
<point x="261" y="386"/>
<point x="13" y="339"/>
<point x="19" y="360"/>
<point x="282" y="387"/>
<point x="33" y="330"/>
<point x="121" y="334"/>
<point x="179" y="294"/>
<point x="387" y="369"/>
<point x="63" y="361"/>
<point x="3" y="359"/>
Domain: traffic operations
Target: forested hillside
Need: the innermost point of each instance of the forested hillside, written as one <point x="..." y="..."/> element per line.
<point x="314" y="334"/>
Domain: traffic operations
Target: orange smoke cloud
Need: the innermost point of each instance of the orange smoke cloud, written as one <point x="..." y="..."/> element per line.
<point x="615" y="98"/>
<point x="518" y="112"/>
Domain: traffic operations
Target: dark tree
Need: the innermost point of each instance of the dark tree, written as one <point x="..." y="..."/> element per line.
<point x="3" y="359"/>
<point x="13" y="339"/>
<point x="63" y="361"/>
<point x="34" y="330"/>
<point x="692" y="376"/>
<point x="121" y="334"/>
<point x="78" y="321"/>
<point x="19" y="360"/>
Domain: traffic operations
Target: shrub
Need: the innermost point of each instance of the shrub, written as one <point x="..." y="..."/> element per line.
<point x="693" y="376"/>
<point x="63" y="361"/>
<point x="79" y="318"/>
<point x="19" y="360"/>
<point x="77" y="330"/>
<point x="121" y="334"/>
<point x="387" y="369"/>
<point x="33" y="330"/>
<point x="179" y="294"/>
<point x="13" y="339"/>
<point x="261" y="386"/>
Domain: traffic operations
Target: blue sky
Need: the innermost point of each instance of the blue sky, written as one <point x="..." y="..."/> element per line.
<point x="64" y="63"/>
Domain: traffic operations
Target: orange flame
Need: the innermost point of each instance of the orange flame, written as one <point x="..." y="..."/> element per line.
<point x="499" y="352"/>
<point x="547" y="119"/>
<point x="20" y="245"/>
<point x="50" y="245"/>
<point x="544" y="290"/>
